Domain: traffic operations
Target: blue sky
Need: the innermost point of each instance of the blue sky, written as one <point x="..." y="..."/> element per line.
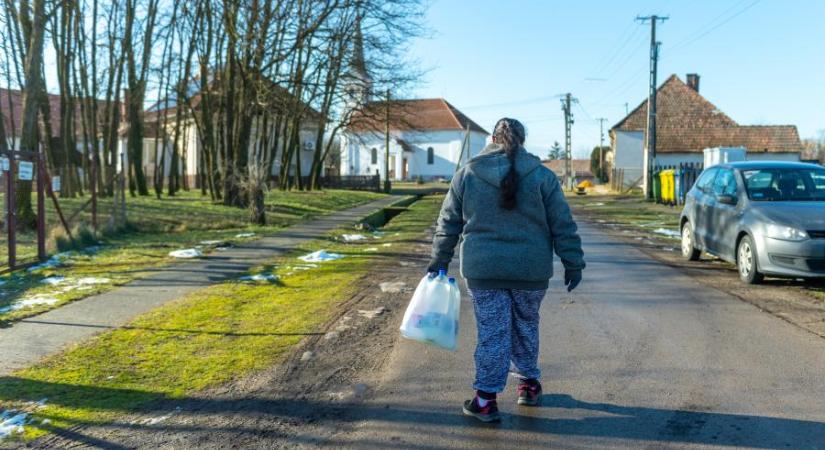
<point x="761" y="62"/>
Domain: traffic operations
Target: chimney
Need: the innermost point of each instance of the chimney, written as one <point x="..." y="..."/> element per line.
<point x="693" y="81"/>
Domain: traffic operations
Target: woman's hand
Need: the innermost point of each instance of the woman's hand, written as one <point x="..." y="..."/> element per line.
<point x="572" y="278"/>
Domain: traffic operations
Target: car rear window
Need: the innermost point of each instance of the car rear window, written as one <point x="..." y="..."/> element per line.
<point x="785" y="184"/>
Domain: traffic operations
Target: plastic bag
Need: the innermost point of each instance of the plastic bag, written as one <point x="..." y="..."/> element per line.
<point x="432" y="315"/>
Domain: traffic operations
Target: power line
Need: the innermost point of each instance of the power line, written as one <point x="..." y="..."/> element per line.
<point x="687" y="41"/>
<point x="515" y="102"/>
<point x="613" y="54"/>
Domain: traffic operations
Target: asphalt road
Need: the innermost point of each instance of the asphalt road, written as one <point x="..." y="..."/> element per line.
<point x="641" y="356"/>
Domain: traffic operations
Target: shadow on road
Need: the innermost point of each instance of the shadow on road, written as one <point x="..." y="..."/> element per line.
<point x="257" y="418"/>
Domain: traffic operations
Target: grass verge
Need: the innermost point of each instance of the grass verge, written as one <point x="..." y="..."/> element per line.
<point x="210" y="337"/>
<point x="630" y="211"/>
<point x="156" y="228"/>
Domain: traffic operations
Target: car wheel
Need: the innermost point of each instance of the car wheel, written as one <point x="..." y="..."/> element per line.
<point x="746" y="262"/>
<point x="689" y="250"/>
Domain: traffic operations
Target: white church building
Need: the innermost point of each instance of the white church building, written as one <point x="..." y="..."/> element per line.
<point x="428" y="138"/>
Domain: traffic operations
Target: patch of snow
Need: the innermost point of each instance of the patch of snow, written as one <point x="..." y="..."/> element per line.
<point x="392" y="287"/>
<point x="595" y="204"/>
<point x="36" y="300"/>
<point x="320" y="256"/>
<point x="372" y="313"/>
<point x="156" y="420"/>
<point x="386" y="245"/>
<point x="244" y="235"/>
<point x="54" y="261"/>
<point x="353" y="237"/>
<point x="331" y="335"/>
<point x="38" y="404"/>
<point x="186" y="253"/>
<point x="92" y="249"/>
<point x="92" y="280"/>
<point x="371" y="249"/>
<point x="12" y="422"/>
<point x="211" y="243"/>
<point x="261" y="277"/>
<point x="53" y="281"/>
<point x="667" y="232"/>
<point x="307" y="356"/>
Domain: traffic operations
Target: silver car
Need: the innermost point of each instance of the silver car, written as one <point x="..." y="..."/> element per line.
<point x="768" y="218"/>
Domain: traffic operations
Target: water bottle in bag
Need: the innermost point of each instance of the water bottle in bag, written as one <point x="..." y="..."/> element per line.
<point x="432" y="316"/>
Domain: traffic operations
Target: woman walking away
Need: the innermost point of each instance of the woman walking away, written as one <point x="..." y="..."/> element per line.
<point x="510" y="213"/>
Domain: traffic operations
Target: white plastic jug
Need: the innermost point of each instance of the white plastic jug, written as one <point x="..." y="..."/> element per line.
<point x="432" y="315"/>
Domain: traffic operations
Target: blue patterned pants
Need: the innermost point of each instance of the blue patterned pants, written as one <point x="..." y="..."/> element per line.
<point x="508" y="331"/>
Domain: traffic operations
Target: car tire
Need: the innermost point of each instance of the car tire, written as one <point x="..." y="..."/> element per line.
<point x="747" y="263"/>
<point x="689" y="250"/>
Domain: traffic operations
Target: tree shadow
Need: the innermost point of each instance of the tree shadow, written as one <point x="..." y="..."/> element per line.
<point x="592" y="420"/>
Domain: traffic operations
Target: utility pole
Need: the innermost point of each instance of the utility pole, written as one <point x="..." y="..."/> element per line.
<point x="387" y="146"/>
<point x="566" y="102"/>
<point x="650" y="144"/>
<point x="601" y="120"/>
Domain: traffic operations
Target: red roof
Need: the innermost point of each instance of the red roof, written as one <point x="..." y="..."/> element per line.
<point x="581" y="167"/>
<point x="417" y="114"/>
<point x="687" y="122"/>
<point x="11" y="109"/>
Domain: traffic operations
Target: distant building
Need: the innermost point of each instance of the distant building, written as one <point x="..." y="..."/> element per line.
<point x="686" y="124"/>
<point x="429" y="138"/>
<point x="160" y="126"/>
<point x="579" y="167"/>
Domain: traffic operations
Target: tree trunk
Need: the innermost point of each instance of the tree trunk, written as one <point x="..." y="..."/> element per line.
<point x="34" y="93"/>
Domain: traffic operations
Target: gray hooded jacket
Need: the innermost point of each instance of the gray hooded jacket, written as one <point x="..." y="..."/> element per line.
<point x="506" y="249"/>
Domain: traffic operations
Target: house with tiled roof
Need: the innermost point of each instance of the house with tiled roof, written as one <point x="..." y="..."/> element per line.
<point x="429" y="138"/>
<point x="160" y="124"/>
<point x="687" y="124"/>
<point x="580" y="167"/>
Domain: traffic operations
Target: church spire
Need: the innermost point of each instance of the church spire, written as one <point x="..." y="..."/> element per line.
<point x="357" y="64"/>
<point x="359" y="81"/>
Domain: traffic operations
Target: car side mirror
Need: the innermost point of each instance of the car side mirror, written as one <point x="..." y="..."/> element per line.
<point x="727" y="199"/>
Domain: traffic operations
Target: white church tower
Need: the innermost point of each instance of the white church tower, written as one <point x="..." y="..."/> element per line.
<point x="358" y="83"/>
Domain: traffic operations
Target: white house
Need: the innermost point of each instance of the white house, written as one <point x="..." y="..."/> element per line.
<point x="686" y="124"/>
<point x="189" y="143"/>
<point x="428" y="138"/>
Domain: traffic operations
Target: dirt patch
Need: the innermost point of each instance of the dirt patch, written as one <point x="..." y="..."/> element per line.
<point x="302" y="401"/>
<point x="795" y="301"/>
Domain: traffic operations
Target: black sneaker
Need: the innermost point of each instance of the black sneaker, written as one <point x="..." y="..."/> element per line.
<point x="488" y="413"/>
<point x="529" y="393"/>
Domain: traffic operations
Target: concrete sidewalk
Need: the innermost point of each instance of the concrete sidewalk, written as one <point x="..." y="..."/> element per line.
<point x="29" y="340"/>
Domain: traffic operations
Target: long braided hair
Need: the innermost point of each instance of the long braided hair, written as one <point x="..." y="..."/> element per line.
<point x="510" y="135"/>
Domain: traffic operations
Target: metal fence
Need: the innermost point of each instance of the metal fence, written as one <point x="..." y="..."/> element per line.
<point x="672" y="183"/>
<point x="25" y="241"/>
<point x="349" y="182"/>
